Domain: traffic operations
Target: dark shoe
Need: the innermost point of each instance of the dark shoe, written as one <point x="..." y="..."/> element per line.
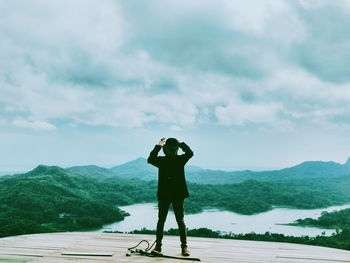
<point x="185" y="252"/>
<point x="157" y="250"/>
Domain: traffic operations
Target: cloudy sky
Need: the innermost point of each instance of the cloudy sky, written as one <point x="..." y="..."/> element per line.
<point x="254" y="84"/>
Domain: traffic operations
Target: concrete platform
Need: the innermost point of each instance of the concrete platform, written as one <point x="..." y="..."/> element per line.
<point x="102" y="247"/>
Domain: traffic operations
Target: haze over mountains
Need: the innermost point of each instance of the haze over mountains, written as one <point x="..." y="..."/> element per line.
<point x="139" y="168"/>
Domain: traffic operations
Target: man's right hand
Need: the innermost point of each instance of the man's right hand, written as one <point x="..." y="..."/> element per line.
<point x="161" y="142"/>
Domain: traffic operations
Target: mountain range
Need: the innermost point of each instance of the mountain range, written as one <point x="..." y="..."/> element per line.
<point x="51" y="198"/>
<point x="139" y="168"/>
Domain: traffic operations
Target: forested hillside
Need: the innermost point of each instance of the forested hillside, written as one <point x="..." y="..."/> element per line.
<point x="252" y="196"/>
<point x="335" y="220"/>
<point x="50" y="198"/>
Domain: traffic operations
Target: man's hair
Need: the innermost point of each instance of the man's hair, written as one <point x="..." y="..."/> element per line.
<point x="172" y="143"/>
<point x="171" y="146"/>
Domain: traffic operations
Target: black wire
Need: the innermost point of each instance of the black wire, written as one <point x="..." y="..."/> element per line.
<point x="147" y="249"/>
<point x="139" y="244"/>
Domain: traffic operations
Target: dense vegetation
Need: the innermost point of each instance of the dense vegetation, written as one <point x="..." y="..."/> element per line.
<point x="252" y="196"/>
<point x="308" y="185"/>
<point x="339" y="240"/>
<point x="335" y="220"/>
<point x="249" y="197"/>
<point x="293" y="187"/>
<point x="49" y="199"/>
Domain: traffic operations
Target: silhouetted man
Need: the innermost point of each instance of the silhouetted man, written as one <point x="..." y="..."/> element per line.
<point x="172" y="187"/>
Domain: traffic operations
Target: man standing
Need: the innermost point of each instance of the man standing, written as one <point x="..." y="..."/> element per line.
<point x="172" y="187"/>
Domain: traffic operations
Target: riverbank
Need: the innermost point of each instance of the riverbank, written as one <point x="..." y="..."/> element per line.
<point x="274" y="221"/>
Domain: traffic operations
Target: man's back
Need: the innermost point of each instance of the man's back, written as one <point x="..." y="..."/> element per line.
<point x="171" y="172"/>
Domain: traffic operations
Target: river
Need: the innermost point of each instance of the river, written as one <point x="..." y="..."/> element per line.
<point x="145" y="215"/>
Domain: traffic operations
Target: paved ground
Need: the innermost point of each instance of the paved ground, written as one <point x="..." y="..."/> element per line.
<point x="103" y="247"/>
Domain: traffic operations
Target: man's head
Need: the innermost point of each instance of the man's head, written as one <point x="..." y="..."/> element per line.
<point x="171" y="147"/>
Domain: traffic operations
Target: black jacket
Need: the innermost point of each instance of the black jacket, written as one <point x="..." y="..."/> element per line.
<point x="171" y="173"/>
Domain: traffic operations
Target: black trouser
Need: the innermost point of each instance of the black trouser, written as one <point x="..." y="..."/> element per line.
<point x="178" y="207"/>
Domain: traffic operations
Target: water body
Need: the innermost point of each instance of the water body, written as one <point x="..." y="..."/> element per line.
<point x="145" y="215"/>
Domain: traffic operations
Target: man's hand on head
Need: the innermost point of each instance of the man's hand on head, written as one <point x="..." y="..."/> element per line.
<point x="181" y="144"/>
<point x="161" y="142"/>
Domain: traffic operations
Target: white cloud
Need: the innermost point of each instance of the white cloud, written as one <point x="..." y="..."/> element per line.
<point x="175" y="128"/>
<point x="238" y="113"/>
<point x="240" y="66"/>
<point x="316" y="4"/>
<point x="36" y="125"/>
<point x="304" y="96"/>
<point x="264" y="18"/>
<point x="77" y="62"/>
<point x="90" y="25"/>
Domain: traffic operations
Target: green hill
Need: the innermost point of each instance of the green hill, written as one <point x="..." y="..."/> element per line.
<point x="138" y="168"/>
<point x="334" y="220"/>
<point x="249" y="192"/>
<point x="92" y="171"/>
<point x="50" y="199"/>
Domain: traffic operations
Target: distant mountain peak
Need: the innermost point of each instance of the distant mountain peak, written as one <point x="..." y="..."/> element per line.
<point x="315" y="164"/>
<point x="347" y="162"/>
<point x="93" y="171"/>
<point x="44" y="169"/>
<point x="138" y="160"/>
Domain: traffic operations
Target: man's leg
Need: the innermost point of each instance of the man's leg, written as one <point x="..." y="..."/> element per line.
<point x="178" y="207"/>
<point x="163" y="207"/>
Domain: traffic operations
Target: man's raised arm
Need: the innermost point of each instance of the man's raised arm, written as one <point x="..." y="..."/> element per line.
<point x="188" y="152"/>
<point x="153" y="156"/>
